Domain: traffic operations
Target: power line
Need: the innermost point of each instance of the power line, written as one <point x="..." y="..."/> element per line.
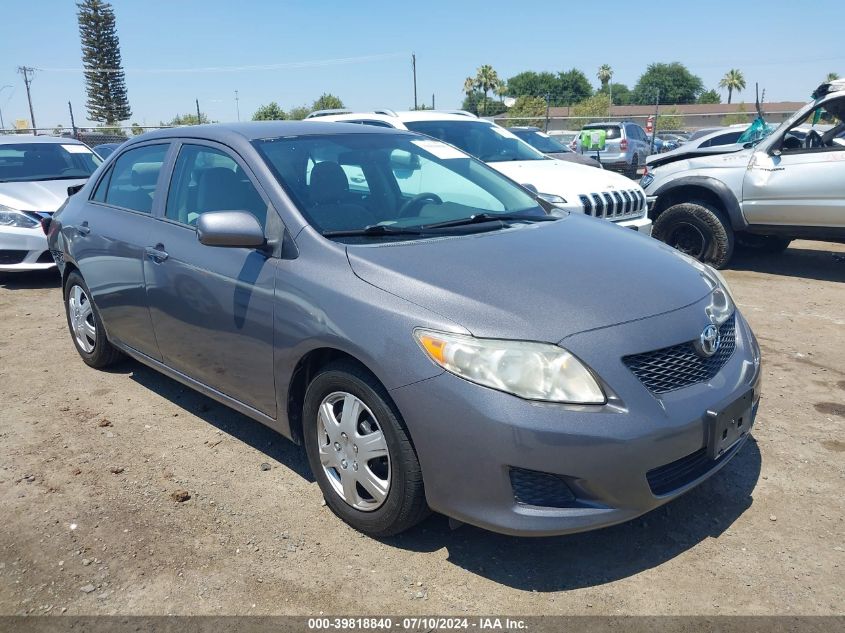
<point x="229" y="69"/>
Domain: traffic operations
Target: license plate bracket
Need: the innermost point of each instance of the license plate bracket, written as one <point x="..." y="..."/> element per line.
<point x="726" y="427"/>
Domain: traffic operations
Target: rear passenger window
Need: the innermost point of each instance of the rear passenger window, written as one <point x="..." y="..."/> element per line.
<point x="132" y="182"/>
<point x="100" y="192"/>
<point x="207" y="179"/>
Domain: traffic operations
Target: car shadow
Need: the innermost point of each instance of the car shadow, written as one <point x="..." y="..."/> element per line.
<point x="593" y="558"/>
<point x="806" y="263"/>
<point x="31" y="280"/>
<point x="238" y="426"/>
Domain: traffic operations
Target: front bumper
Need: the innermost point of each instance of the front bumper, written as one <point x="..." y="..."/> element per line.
<point x="471" y="439"/>
<point x="641" y="225"/>
<point x="23" y="250"/>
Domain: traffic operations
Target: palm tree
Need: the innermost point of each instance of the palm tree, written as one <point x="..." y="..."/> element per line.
<point x="832" y="77"/>
<point x="605" y="74"/>
<point x="501" y="91"/>
<point x="733" y="80"/>
<point x="486" y="79"/>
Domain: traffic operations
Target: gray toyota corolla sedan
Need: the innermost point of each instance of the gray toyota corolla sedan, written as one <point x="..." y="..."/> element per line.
<point x="434" y="335"/>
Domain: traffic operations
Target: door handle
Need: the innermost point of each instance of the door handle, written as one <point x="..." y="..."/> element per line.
<point x="83" y="228"/>
<point x="156" y="253"/>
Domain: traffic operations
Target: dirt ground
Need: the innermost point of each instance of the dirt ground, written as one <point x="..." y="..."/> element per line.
<point x="91" y="460"/>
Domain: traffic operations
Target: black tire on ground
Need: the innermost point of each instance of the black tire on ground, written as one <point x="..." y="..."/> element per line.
<point x="405" y="505"/>
<point x="104" y="353"/>
<point x="697" y="229"/>
<point x="763" y="243"/>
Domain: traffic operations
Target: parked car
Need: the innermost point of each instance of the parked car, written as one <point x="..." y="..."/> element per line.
<point x="572" y="186"/>
<point x="567" y="137"/>
<point x="35" y="173"/>
<point x="104" y="149"/>
<point x="720" y="139"/>
<point x="550" y="146"/>
<point x="456" y="345"/>
<point x="626" y="149"/>
<point x="789" y="184"/>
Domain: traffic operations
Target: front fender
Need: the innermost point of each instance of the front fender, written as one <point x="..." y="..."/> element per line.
<point x="723" y="192"/>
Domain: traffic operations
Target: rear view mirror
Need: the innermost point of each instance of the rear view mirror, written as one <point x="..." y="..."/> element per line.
<point x="235" y="229"/>
<point x="400" y="159"/>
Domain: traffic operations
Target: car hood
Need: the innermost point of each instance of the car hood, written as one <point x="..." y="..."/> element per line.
<point x="730" y="160"/>
<point x="562" y="178"/>
<point x="540" y="282"/>
<point x="683" y="153"/>
<point x="40" y="195"/>
<point x="574" y="157"/>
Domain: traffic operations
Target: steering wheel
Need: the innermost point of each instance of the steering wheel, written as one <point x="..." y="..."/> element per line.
<point x="417" y="200"/>
<point x="814" y="139"/>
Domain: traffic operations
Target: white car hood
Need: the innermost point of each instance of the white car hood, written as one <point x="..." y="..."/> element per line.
<point x="560" y="178"/>
<point x="39" y="195"/>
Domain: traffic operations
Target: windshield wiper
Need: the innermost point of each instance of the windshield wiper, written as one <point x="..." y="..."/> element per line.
<point x="491" y="217"/>
<point x="374" y="230"/>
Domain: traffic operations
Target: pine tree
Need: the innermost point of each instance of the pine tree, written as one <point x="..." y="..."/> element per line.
<point x="104" y="78"/>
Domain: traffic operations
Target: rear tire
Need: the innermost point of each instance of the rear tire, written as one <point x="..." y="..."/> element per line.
<point x="697" y="229"/>
<point x="772" y="244"/>
<point x="86" y="327"/>
<point x="336" y="452"/>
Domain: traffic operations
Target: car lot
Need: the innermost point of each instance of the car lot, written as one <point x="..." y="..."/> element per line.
<point x="92" y="463"/>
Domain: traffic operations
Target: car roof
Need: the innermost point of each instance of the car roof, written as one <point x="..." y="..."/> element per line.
<point x="9" y="139"/>
<point x="254" y="130"/>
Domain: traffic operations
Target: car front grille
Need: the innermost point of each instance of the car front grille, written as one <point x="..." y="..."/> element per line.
<point x="679" y="366"/>
<point x="614" y="205"/>
<point x="534" y="488"/>
<point x="677" y="474"/>
<point x="8" y="258"/>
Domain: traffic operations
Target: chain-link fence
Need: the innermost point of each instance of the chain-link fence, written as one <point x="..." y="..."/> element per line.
<point x="90" y="136"/>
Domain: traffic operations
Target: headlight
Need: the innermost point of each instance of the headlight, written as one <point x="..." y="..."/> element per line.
<point x="535" y="371"/>
<point x="721" y="279"/>
<point x="13" y="217"/>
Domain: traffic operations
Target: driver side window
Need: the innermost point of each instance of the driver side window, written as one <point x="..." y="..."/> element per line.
<point x="821" y="130"/>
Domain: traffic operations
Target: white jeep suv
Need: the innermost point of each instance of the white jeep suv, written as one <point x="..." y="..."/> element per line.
<point x="574" y="187"/>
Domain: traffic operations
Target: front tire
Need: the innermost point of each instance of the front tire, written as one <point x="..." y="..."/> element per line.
<point x="86" y="327"/>
<point x="698" y="230"/>
<point x="360" y="452"/>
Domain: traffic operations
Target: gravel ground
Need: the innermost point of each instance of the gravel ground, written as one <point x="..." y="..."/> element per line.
<point x="125" y="493"/>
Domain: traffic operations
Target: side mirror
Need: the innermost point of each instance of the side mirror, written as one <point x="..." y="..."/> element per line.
<point x="235" y="229"/>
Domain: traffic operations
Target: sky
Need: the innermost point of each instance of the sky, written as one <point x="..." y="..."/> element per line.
<point x="291" y="51"/>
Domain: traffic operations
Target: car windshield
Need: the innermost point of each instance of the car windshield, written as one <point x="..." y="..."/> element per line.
<point x="398" y="183"/>
<point x="486" y="141"/>
<point x="542" y="141"/>
<point x="26" y="162"/>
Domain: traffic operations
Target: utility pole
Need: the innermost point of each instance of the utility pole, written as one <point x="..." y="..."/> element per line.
<point x="656" y="114"/>
<point x="72" y="122"/>
<point x="548" y="104"/>
<point x="414" y="67"/>
<point x="199" y="117"/>
<point x="3" y="125"/>
<point x="237" y="106"/>
<point x="27" y="79"/>
<point x="432" y="101"/>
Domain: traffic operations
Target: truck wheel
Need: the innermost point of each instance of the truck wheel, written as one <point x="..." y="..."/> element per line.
<point x="698" y="230"/>
<point x="763" y="243"/>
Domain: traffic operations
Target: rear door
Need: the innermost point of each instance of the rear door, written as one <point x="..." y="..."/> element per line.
<point x="110" y="234"/>
<point x="212" y="307"/>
